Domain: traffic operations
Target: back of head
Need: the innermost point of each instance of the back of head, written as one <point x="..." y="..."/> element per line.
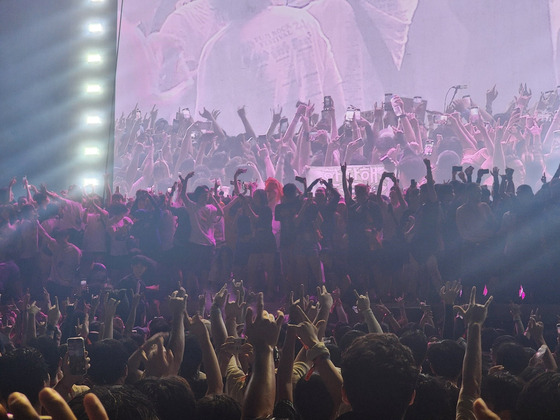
<point x="435" y="399"/>
<point x="217" y="407"/>
<point x="23" y="370"/>
<point x="49" y="350"/>
<point x="108" y="359"/>
<point x="348" y="338"/>
<point x="501" y="391"/>
<point x="417" y="342"/>
<point x="172" y="396"/>
<point x="512" y="357"/>
<point x="446" y="359"/>
<point x="312" y="399"/>
<point x="120" y="402"/>
<point x="379" y="376"/>
<point x="540" y="399"/>
<point x="290" y="191"/>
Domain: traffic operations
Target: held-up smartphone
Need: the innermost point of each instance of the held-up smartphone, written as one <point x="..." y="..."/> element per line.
<point x="474" y="112"/>
<point x="440" y="119"/>
<point x="556" y="139"/>
<point x="540" y="352"/>
<point x="467" y="100"/>
<point x="186" y="113"/>
<point x="357" y="114"/>
<point x="327" y="103"/>
<point x="261" y="139"/>
<point x="349" y="116"/>
<point x="485" y="171"/>
<point x="429" y="148"/>
<point x="238" y="342"/>
<point x="204" y="125"/>
<point x="76" y="356"/>
<point x="387" y="102"/>
<point x="300" y="179"/>
<point x="283" y="125"/>
<point x="397" y="109"/>
<point x="457" y="168"/>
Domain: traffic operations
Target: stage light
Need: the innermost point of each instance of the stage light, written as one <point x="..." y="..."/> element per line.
<point x="94" y="58"/>
<point x="95" y="28"/>
<point x="92" y="151"/>
<point x="93" y="120"/>
<point x="93" y="88"/>
<point x="87" y="182"/>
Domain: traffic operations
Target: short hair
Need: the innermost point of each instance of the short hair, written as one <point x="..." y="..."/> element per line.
<point x="348" y="338"/>
<point x="108" y="360"/>
<point x="501" y="390"/>
<point x="435" y="399"/>
<point x="49" y="350"/>
<point x="198" y="191"/>
<point x="312" y="399"/>
<point x="120" y="403"/>
<point x="446" y="358"/>
<point x="379" y="376"/>
<point x="417" y="342"/>
<point x="540" y="399"/>
<point x="513" y="357"/>
<point x="217" y="407"/>
<point x="23" y="370"/>
<point x="289" y="190"/>
<point x="172" y="397"/>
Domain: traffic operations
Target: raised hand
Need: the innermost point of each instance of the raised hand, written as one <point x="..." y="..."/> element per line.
<point x="276" y="115"/>
<point x="263" y="330"/>
<point x="449" y="292"/>
<point x="475" y="313"/>
<point x="158" y="360"/>
<point x="178" y="302"/>
<point x="491" y="94"/>
<point x="220" y="297"/>
<point x="362" y="301"/>
<point x="53" y="404"/>
<point x="206" y="114"/>
<point x="234" y="310"/>
<point x="324" y="298"/>
<point x="238" y="286"/>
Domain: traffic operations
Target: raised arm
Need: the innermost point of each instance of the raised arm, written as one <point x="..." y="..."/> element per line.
<point x="475" y="315"/>
<point x="432" y="196"/>
<point x="209" y="359"/>
<point x="263" y="334"/>
<point x="246" y="124"/>
<point x="363" y="305"/>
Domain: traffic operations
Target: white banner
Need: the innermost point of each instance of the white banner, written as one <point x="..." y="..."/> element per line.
<point x="362" y="174"/>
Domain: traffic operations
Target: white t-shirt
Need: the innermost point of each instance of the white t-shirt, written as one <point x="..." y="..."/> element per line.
<point x="281" y="53"/>
<point x="203" y="219"/>
<point x="65" y="263"/>
<point x="95" y="239"/>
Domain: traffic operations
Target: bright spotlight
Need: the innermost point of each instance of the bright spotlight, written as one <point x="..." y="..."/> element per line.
<point x="93" y="120"/>
<point x="92" y="151"/>
<point x="90" y="181"/>
<point x="94" y="58"/>
<point x="93" y="88"/>
<point x="95" y="28"/>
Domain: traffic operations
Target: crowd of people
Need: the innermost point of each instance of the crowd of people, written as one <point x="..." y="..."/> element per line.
<point x="194" y="208"/>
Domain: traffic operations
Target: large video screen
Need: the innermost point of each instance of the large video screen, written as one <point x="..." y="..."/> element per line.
<point x="264" y="55"/>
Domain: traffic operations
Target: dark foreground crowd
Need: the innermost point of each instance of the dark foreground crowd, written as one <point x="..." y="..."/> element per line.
<point x="96" y="319"/>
